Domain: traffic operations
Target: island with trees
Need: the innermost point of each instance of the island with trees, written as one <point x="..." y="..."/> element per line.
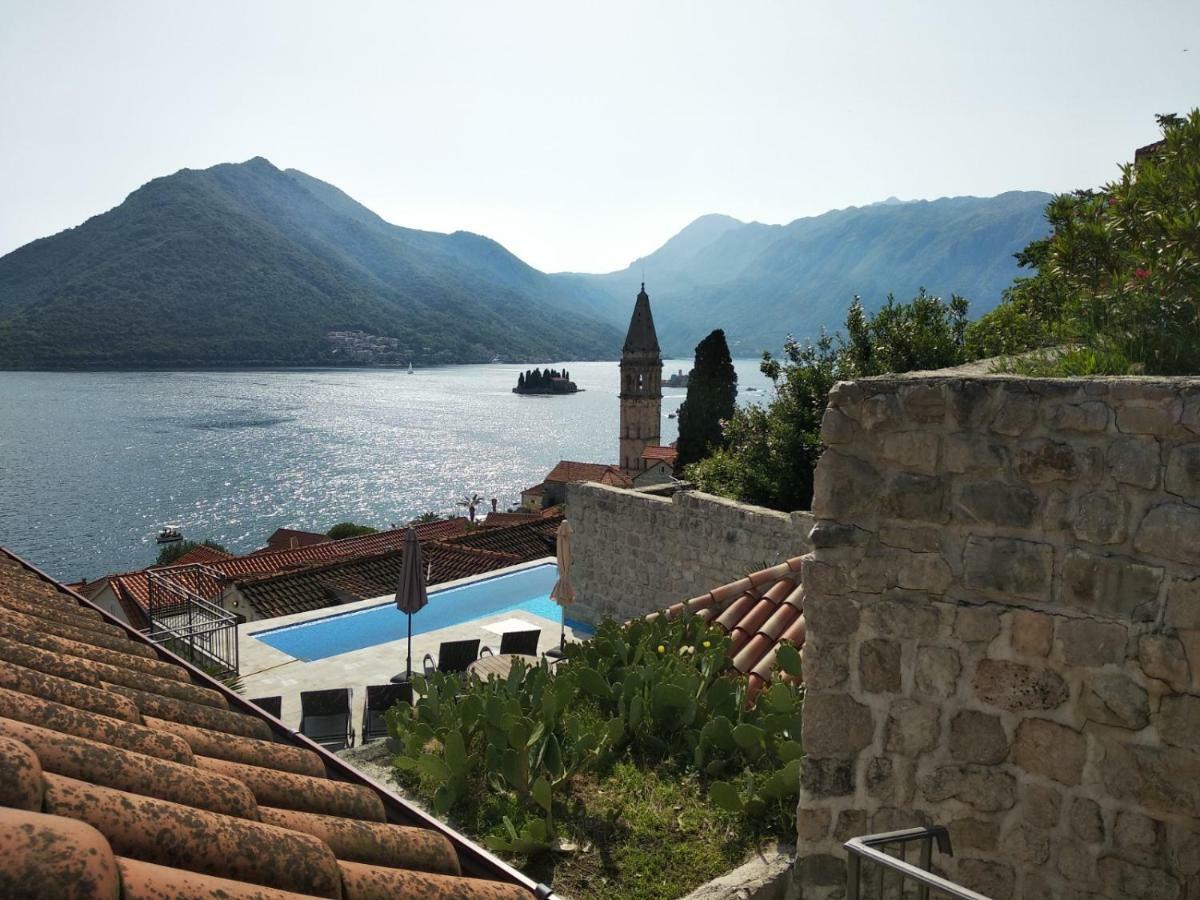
<point x="545" y="381"/>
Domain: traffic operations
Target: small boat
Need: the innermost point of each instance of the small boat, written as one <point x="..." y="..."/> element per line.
<point x="170" y="534"/>
<point x="410" y="368"/>
<point x="670" y="415"/>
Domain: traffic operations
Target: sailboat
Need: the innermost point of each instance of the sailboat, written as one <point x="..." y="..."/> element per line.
<point x="410" y="368"/>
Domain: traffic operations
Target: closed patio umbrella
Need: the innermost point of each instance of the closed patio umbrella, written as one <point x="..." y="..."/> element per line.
<point x="563" y="592"/>
<point x="410" y="592"/>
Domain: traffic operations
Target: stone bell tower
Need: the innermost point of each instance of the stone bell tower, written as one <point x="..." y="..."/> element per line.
<point x="641" y="387"/>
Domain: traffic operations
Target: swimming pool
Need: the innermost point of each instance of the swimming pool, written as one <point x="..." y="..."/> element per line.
<point x="527" y="589"/>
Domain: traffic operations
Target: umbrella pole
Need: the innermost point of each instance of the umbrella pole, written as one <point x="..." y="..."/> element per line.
<point x="562" y="635"/>
<point x="409" y="673"/>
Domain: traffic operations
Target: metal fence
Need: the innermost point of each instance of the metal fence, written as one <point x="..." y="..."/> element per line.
<point x="895" y="876"/>
<point x="186" y="617"/>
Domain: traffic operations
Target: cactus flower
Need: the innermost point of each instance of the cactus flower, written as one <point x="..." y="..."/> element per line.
<point x="662" y="649"/>
<point x="707" y="645"/>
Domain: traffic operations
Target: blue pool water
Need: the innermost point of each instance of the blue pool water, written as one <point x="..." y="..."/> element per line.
<point x="528" y="590"/>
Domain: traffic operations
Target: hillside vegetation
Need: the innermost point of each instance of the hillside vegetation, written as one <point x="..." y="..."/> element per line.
<point x="247" y="264"/>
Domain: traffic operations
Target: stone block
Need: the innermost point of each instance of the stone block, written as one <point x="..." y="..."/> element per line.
<point x="1150" y="416"/>
<point x="893" y="819"/>
<point x="826" y="666"/>
<point x="1016" y="415"/>
<point x="1183" y="849"/>
<point x="1125" y="879"/>
<point x="1134" y="461"/>
<point x="918" y="538"/>
<point x="879" y="666"/>
<point x="1086" y="821"/>
<point x="992" y="879"/>
<point x="1045" y="748"/>
<point x="1088" y="417"/>
<point x="998" y="503"/>
<point x="923" y="572"/>
<point x="879" y="778"/>
<point x="924" y="403"/>
<point x="1076" y="862"/>
<point x="829" y="777"/>
<point x="837" y="427"/>
<point x="973" y="453"/>
<point x="1041" y="806"/>
<point x="985" y="788"/>
<point x="1138" y="839"/>
<point x="1178" y="720"/>
<point x="812" y="823"/>
<point x="902" y="618"/>
<point x="850" y="823"/>
<point x="844" y="486"/>
<point x="911" y="449"/>
<point x="1026" y="845"/>
<point x="1164" y="780"/>
<point x="1014" y="686"/>
<point x="1111" y="586"/>
<point x="973" y="834"/>
<point x="1101" y="518"/>
<point x="821" y="870"/>
<point x="912" y="727"/>
<point x="1008" y="566"/>
<point x="1162" y="656"/>
<point x="1086" y="642"/>
<point x="976" y="624"/>
<point x="916" y="497"/>
<point x="977" y="737"/>
<point x="827" y="535"/>
<point x="1031" y="633"/>
<point x="836" y="725"/>
<point x="823" y="578"/>
<point x="1169" y="531"/>
<point x="1115" y="699"/>
<point x="937" y="671"/>
<point x="1044" y="460"/>
<point x="1183" y="603"/>
<point x="880" y="412"/>
<point x="832" y="618"/>
<point x="1183" y="472"/>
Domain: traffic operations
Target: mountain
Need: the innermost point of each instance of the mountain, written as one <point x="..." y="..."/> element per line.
<point x="760" y="282"/>
<point x="247" y="264"/>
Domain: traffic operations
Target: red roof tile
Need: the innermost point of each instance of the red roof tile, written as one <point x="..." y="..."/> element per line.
<point x="567" y="471"/>
<point x="181" y="788"/>
<point x="505" y="519"/>
<point x="284" y="538"/>
<point x="666" y="454"/>
<point x="759" y="612"/>
<point x="202" y="554"/>
<point x="527" y="541"/>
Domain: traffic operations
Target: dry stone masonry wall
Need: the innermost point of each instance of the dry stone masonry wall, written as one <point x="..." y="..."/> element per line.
<point x="1003" y="606"/>
<point x="635" y="553"/>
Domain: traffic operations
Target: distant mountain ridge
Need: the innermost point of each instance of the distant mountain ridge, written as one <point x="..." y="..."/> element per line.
<point x="247" y="264"/>
<point x="760" y="282"/>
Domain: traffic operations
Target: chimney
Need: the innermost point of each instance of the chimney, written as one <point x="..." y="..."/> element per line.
<point x="293" y="542"/>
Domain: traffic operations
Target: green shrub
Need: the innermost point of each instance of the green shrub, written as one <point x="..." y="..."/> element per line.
<point x="171" y="552"/>
<point x="348" y="530"/>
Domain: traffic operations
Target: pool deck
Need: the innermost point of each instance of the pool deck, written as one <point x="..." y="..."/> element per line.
<point x="268" y="672"/>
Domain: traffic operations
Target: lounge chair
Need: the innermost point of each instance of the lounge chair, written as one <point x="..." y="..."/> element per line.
<point x="522" y="642"/>
<point x="453" y="656"/>
<point x="381" y="698"/>
<point x="270" y="705"/>
<point x="325" y="718"/>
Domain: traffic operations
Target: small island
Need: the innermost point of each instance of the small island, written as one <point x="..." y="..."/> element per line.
<point x="545" y="381"/>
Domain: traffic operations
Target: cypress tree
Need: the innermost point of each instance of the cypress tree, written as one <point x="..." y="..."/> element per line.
<point x="711" y="399"/>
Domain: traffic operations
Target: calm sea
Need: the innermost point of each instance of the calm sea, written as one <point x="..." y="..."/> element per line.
<point x="92" y="465"/>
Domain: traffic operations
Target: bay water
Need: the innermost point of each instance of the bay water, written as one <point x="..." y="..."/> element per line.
<point x="92" y="464"/>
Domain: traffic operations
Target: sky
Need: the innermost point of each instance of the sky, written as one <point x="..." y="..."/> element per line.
<point x="583" y="135"/>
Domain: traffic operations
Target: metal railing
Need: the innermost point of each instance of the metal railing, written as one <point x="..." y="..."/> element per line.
<point x="183" y="606"/>
<point x="871" y="850"/>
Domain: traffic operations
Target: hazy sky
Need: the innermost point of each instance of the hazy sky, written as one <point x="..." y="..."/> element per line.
<point x="582" y="135"/>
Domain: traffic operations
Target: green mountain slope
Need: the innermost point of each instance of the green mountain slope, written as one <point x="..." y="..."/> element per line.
<point x="246" y="264"/>
<point x="761" y="282"/>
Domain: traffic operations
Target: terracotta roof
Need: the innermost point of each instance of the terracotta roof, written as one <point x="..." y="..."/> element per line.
<point x="317" y="587"/>
<point x="616" y="478"/>
<point x="529" y="541"/>
<point x="506" y="519"/>
<point x="282" y="539"/>
<point x="534" y="490"/>
<point x="758" y="612"/>
<point x="551" y="511"/>
<point x="126" y="773"/>
<point x="135" y="588"/>
<point x="201" y="554"/>
<point x="666" y="454"/>
<point x="567" y="471"/>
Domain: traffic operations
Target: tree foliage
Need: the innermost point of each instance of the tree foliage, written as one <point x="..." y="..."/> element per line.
<point x="1118" y="279"/>
<point x="348" y="530"/>
<point x="770" y="452"/>
<point x="171" y="552"/>
<point x="711" y="400"/>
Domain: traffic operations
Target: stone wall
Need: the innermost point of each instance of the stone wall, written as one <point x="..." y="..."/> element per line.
<point x="1003" y="607"/>
<point x="636" y="552"/>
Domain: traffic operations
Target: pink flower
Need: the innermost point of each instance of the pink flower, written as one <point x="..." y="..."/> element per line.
<point x="1141" y="272"/>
